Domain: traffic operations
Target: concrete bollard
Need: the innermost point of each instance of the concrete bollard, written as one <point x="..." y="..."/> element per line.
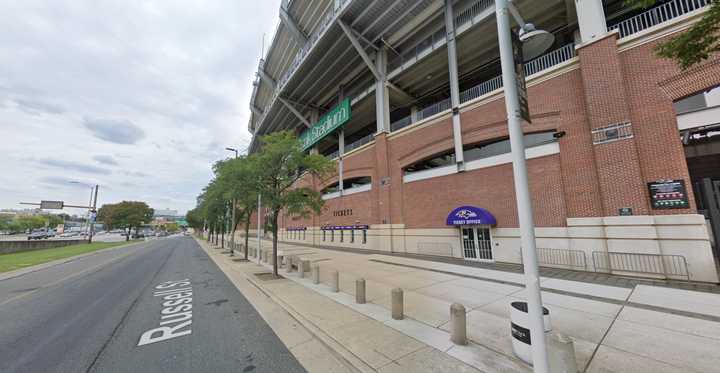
<point x="301" y="267"/>
<point x="335" y="281"/>
<point x="397" y="304"/>
<point x="561" y="354"/>
<point x="360" y="291"/>
<point x="289" y="264"/>
<point x="458" y="324"/>
<point x="316" y="273"/>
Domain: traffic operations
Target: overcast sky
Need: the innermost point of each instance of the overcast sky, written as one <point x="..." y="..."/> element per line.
<point x="138" y="96"/>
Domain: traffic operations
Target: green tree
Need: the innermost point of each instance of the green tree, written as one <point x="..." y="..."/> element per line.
<point x="126" y="215"/>
<point x="694" y="45"/>
<point x="237" y="178"/>
<point x="280" y="164"/>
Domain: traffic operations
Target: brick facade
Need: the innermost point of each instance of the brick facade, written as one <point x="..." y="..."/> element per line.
<point x="604" y="86"/>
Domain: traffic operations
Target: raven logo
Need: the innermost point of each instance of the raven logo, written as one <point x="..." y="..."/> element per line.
<point x="465" y="214"/>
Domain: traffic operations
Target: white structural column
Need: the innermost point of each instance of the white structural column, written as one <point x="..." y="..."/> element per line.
<point x="291" y="25"/>
<point x="591" y="19"/>
<point x="522" y="190"/>
<point x="382" y="97"/>
<point x="341" y="146"/>
<point x="378" y="67"/>
<point x="454" y="84"/>
<point x="314" y="117"/>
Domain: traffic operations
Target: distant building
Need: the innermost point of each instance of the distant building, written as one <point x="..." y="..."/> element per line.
<point x="165" y="213"/>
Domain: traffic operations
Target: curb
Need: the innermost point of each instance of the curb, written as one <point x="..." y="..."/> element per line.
<point x="347" y="357"/>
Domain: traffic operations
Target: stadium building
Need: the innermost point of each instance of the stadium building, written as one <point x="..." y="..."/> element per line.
<point x="407" y="98"/>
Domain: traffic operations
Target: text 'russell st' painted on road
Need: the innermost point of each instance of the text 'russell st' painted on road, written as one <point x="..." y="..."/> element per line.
<point x="176" y="316"/>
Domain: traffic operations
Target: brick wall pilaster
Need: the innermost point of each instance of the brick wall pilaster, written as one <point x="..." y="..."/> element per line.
<point x="381" y="184"/>
<point x="617" y="162"/>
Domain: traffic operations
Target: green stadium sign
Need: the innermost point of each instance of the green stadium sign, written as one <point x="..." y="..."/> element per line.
<point x="328" y="123"/>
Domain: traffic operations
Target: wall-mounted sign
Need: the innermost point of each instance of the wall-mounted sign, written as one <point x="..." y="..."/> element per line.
<point x="343" y="212"/>
<point x="520" y="76"/>
<point x="470" y="215"/>
<point x="328" y="123"/>
<point x="625" y="211"/>
<point x="343" y="227"/>
<point x="668" y="194"/>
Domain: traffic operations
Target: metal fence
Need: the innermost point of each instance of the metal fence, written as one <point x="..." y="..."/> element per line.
<point x="438" y="38"/>
<point x="657" y="15"/>
<point x="359" y="142"/>
<point x="550" y="59"/>
<point x="562" y="257"/>
<point x="667" y="266"/>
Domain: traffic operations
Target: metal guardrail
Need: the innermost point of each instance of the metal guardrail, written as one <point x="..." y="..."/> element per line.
<point x="550" y="59"/>
<point x="562" y="257"/>
<point x="668" y="266"/>
<point x="657" y="15"/>
<point x="539" y="64"/>
<point x="359" y="142"/>
<point x="437" y="39"/>
<point x="303" y="52"/>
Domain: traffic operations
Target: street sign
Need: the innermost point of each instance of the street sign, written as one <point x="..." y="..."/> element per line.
<point x="51" y="205"/>
<point x="520" y="76"/>
<point x="333" y="119"/>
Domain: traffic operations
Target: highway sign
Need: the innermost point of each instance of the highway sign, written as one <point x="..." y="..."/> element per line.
<point x="51" y="205"/>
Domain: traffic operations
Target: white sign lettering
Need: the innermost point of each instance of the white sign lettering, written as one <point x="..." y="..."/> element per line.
<point x="177" y="312"/>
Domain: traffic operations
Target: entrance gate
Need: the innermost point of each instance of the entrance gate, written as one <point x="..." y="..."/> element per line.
<point x="477" y="243"/>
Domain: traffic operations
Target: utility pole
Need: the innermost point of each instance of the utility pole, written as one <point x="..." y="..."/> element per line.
<point x="93" y="215"/>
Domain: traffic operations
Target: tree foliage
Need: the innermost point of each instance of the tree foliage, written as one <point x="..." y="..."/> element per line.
<point x="694" y="45"/>
<point x="273" y="173"/>
<point x="280" y="164"/>
<point x="126" y="215"/>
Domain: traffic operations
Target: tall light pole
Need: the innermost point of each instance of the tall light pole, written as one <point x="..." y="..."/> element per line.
<point x="534" y="43"/>
<point x="232" y="238"/>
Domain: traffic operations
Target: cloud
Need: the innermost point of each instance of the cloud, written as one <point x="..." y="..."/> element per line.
<point x="73" y="166"/>
<point x="105" y="159"/>
<point x="115" y="131"/>
<point x="160" y="86"/>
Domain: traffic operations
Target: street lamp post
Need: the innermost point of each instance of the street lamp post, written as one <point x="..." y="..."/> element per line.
<point x="503" y="10"/>
<point x="232" y="238"/>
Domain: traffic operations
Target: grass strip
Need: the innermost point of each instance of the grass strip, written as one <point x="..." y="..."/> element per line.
<point x="13" y="261"/>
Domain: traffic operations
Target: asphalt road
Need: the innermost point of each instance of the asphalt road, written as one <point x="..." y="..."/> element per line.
<point x="88" y="315"/>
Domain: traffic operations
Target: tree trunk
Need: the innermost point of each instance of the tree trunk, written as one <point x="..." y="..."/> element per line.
<point x="247" y="234"/>
<point x="127" y="236"/>
<point x="274" y="228"/>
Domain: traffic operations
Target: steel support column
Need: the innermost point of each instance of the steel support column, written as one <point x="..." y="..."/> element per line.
<point x="295" y="111"/>
<point x="454" y="84"/>
<point x="382" y="98"/>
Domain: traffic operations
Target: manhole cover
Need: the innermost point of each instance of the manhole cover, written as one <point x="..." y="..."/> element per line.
<point x="268" y="276"/>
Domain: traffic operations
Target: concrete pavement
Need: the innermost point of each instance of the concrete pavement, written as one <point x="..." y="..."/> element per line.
<point x="615" y="329"/>
<point x="89" y="315"/>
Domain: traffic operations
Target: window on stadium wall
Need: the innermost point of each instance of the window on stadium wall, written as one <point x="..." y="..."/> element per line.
<point x="350" y="183"/>
<point x="478" y="151"/>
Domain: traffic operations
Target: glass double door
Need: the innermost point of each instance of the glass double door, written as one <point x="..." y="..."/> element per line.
<point x="477" y="243"/>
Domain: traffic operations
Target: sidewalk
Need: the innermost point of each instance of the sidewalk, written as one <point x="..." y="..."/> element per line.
<point x="616" y="329"/>
<point x="327" y="336"/>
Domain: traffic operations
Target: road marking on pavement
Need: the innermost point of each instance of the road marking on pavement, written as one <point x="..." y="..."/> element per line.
<point x="178" y="310"/>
